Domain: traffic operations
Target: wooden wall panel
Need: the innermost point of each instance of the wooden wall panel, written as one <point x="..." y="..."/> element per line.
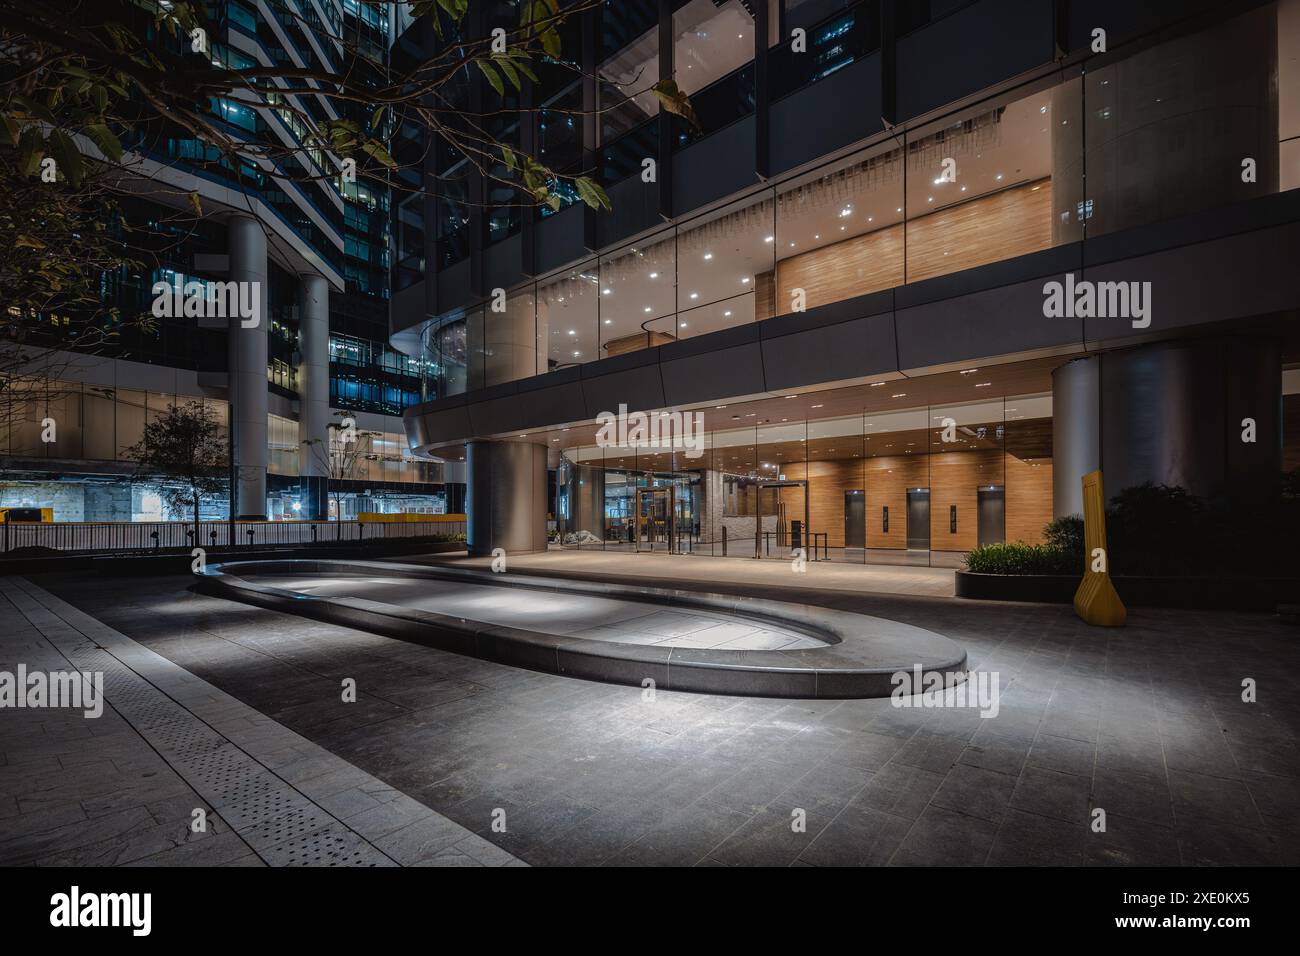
<point x="1001" y="226"/>
<point x="1029" y="498"/>
<point x="888" y="479"/>
<point x="955" y="479"/>
<point x="827" y="483"/>
<point x="853" y="267"/>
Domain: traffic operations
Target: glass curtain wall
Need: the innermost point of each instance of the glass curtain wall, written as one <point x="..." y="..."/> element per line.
<point x="996" y="180"/>
<point x="914" y="486"/>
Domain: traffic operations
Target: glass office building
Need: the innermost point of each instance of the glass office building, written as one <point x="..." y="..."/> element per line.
<point x="846" y="267"/>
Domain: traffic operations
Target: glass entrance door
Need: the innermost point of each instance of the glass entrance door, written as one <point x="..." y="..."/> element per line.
<point x="655" y="519"/>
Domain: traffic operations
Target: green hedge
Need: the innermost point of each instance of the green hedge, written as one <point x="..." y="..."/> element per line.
<point x="1018" y="558"/>
<point x="1161" y="531"/>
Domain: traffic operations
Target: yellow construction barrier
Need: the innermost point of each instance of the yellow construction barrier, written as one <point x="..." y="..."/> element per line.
<point x="1096" y="601"/>
<point x="404" y="517"/>
<point x="26" y="515"/>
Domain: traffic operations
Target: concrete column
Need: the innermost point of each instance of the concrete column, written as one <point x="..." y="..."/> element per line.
<point x="1076" y="444"/>
<point x="313" y="392"/>
<point x="506" y="497"/>
<point x="248" y="357"/>
<point x="1170" y="413"/>
<point x="587" y="499"/>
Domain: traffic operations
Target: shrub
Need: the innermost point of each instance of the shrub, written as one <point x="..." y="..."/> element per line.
<point x="1019" y="558"/>
<point x="1161" y="531"/>
<point x="1066" y="534"/>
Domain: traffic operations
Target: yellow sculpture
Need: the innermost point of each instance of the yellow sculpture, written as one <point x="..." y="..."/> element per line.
<point x="1096" y="601"/>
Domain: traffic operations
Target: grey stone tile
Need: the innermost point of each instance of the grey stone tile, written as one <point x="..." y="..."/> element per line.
<point x="1063" y="754"/>
<point x="1130" y="842"/>
<point x="975" y="792"/>
<point x="1047" y="793"/>
<point x="1197" y="796"/>
<point x="866" y="838"/>
<point x="1027" y="839"/>
<point x="943" y="837"/>
<point x="1137" y="796"/>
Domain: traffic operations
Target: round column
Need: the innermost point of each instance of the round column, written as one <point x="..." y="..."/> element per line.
<point x="313" y="393"/>
<point x="505" y="497"/>
<point x="1076" y="445"/>
<point x="1170" y="413"/>
<point x="247" y="350"/>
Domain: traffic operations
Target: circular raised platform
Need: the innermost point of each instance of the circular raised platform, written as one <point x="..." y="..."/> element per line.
<point x="680" y="640"/>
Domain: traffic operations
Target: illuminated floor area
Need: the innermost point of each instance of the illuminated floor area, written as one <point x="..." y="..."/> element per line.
<point x="1146" y="723"/>
<point x="121" y="784"/>
<point x="570" y="615"/>
<point x="710" y="571"/>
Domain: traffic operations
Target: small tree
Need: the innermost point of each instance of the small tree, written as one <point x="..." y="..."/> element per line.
<point x="184" y="451"/>
<point x="340" y="455"/>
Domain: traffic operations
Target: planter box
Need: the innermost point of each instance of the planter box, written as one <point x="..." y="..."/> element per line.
<point x="1241" y="594"/>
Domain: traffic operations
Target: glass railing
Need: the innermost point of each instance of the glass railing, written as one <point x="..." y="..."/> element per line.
<point x="718" y="105"/>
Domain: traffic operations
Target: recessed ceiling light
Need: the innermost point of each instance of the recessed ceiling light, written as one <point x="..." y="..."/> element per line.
<point x="647" y="308"/>
<point x="695" y="295"/>
<point x="708" y="256"/>
<point x="769" y="238"/>
<point x="654" y="275"/>
<point x="606" y="291"/>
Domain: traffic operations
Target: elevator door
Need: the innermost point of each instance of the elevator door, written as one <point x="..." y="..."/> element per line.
<point x="992" y="515"/>
<point x="855" y="519"/>
<point x="918" y="519"/>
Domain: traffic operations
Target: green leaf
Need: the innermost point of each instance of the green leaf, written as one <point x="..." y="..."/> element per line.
<point x="674" y="100"/>
<point x="520" y="62"/>
<point x="32" y="107"/>
<point x="196" y="204"/>
<point x="509" y="157"/>
<point x="592" y="194"/>
<point x="492" y="76"/>
<point x="551" y="42"/>
<point x="377" y="117"/>
<point x="375" y="150"/>
<point x="508" y="68"/>
<point x="103" y="137"/>
<point x="456" y="9"/>
<point x="66" y="154"/>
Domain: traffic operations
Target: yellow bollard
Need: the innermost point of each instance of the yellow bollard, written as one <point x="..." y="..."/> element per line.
<point x="1096" y="600"/>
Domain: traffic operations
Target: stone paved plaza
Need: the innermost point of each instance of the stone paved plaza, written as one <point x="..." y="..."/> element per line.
<point x="1146" y="723"/>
